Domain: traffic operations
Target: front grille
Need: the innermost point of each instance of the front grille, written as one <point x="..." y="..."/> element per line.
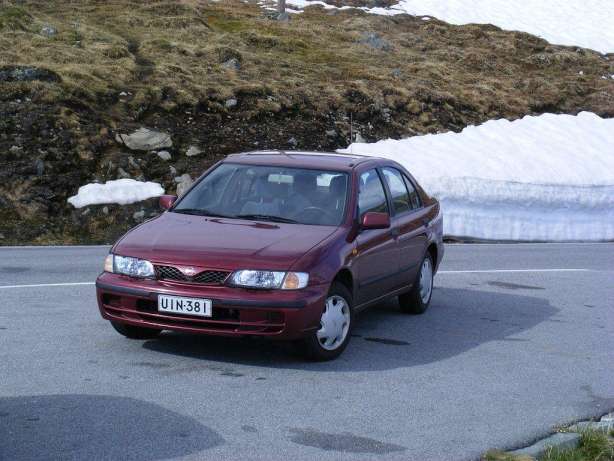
<point x="205" y="277"/>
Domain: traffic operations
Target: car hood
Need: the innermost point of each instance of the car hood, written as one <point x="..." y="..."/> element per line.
<point x="220" y="243"/>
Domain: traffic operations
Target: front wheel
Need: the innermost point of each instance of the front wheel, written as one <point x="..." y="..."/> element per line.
<point x="418" y="299"/>
<point x="330" y="340"/>
<point x="132" y="332"/>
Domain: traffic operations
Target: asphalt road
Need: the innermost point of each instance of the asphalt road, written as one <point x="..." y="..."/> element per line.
<point x="519" y="338"/>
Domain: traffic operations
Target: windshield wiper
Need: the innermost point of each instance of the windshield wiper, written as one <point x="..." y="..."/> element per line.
<point x="199" y="212"/>
<point x="266" y="217"/>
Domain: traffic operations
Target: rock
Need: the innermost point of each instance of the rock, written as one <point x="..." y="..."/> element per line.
<point x="232" y="64"/>
<point x="27" y="74"/>
<point x="374" y="40"/>
<point x="172" y="170"/>
<point x="560" y="440"/>
<point x="122" y="173"/>
<point x="40" y="167"/>
<point x="164" y="155"/>
<point x="145" y="139"/>
<point x="387" y="114"/>
<point x="600" y="426"/>
<point x="193" y="151"/>
<point x="232" y="102"/>
<point x="15" y="150"/>
<point x="48" y="31"/>
<point x="183" y="183"/>
<point x="132" y="162"/>
<point x="138" y="215"/>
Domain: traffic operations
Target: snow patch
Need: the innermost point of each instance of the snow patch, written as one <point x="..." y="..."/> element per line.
<point x="120" y="191"/>
<point x="549" y="177"/>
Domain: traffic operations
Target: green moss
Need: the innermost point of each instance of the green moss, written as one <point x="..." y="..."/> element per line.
<point x="13" y="17"/>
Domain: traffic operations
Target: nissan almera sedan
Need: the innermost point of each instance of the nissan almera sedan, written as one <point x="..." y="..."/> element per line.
<point x="284" y="245"/>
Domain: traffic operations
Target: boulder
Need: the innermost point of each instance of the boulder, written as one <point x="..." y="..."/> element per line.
<point x="27" y="74"/>
<point x="193" y="151"/>
<point x="48" y="31"/>
<point x="232" y="64"/>
<point x="164" y="155"/>
<point x="183" y="183"/>
<point x="145" y="139"/>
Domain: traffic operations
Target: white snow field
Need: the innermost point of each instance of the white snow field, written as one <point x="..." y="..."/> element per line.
<point x="548" y="177"/>
<point x="584" y="23"/>
<point x="120" y="191"/>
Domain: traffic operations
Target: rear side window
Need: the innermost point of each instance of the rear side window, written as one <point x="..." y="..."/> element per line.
<point x="414" y="198"/>
<point x="371" y="195"/>
<point x="400" y="197"/>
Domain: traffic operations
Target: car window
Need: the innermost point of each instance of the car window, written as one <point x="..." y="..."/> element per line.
<point x="414" y="198"/>
<point x="371" y="195"/>
<point x="261" y="192"/>
<point x="398" y="191"/>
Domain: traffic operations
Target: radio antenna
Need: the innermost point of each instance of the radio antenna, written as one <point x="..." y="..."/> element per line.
<point x="351" y="134"/>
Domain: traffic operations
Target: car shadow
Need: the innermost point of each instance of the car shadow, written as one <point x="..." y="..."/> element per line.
<point x="97" y="427"/>
<point x="384" y="337"/>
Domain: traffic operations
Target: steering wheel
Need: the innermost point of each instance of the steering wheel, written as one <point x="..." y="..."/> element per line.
<point x="312" y="211"/>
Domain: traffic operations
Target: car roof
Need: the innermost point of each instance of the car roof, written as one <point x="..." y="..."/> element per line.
<point x="303" y="159"/>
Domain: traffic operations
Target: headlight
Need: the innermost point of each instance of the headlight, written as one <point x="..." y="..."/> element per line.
<point x="270" y="279"/>
<point x="132" y="267"/>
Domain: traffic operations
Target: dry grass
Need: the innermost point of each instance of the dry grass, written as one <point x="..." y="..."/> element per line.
<point x="171" y="53"/>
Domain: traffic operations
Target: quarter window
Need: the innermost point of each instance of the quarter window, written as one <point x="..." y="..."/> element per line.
<point x="371" y="195"/>
<point x="414" y="198"/>
<point x="400" y="197"/>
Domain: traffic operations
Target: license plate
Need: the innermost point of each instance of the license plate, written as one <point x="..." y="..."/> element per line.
<point x="184" y="306"/>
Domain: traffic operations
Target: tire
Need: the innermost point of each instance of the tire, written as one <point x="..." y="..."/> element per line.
<point x="417" y="300"/>
<point x="132" y="332"/>
<point x="314" y="347"/>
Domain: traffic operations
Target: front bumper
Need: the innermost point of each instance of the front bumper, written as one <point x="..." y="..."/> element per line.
<point x="236" y="311"/>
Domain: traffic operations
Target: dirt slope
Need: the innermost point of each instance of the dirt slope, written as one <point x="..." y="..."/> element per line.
<point x="225" y="77"/>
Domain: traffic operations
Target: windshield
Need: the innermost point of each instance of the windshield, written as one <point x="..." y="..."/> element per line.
<point x="269" y="193"/>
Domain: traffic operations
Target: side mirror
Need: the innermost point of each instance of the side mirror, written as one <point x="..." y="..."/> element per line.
<point x="166" y="201"/>
<point x="374" y="220"/>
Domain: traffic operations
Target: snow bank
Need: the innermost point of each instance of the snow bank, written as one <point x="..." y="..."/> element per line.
<point x="120" y="191"/>
<point x="585" y="23"/>
<point x="539" y="178"/>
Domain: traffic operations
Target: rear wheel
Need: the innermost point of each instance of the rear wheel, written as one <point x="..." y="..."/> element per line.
<point x="133" y="332"/>
<point x="330" y="340"/>
<point x="418" y="299"/>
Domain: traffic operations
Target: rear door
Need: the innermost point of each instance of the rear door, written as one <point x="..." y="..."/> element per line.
<point x="377" y="260"/>
<point x="408" y="223"/>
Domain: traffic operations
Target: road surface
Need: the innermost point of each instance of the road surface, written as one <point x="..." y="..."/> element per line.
<point x="519" y="338"/>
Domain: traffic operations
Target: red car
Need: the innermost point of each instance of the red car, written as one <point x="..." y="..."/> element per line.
<point x="285" y="245"/>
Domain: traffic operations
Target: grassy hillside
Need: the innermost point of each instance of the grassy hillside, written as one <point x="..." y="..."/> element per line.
<point x="224" y="76"/>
